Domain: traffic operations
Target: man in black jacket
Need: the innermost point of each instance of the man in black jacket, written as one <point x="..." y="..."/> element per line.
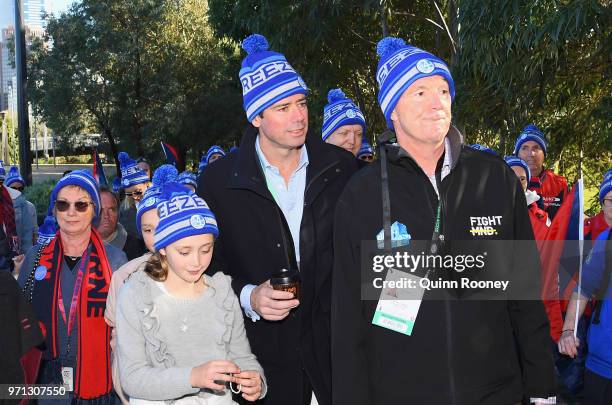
<point x="274" y="201"/>
<point x="453" y="349"/>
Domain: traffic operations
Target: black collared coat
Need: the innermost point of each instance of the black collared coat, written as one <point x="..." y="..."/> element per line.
<point x="251" y="247"/>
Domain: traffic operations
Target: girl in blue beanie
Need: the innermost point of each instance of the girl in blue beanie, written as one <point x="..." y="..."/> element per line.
<point x="180" y="332"/>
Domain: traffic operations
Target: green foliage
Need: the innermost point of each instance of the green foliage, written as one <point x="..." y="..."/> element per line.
<point x="513" y="63"/>
<point x="137" y="72"/>
<point x="332" y="43"/>
<point x="143" y="71"/>
<point x="11" y="155"/>
<point x="200" y="104"/>
<point x="544" y="62"/>
<point x="39" y="194"/>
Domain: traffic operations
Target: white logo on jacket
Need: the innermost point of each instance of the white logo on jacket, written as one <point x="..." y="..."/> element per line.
<point x="485" y="226"/>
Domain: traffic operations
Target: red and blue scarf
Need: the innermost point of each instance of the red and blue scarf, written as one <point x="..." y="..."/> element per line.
<point x="92" y="376"/>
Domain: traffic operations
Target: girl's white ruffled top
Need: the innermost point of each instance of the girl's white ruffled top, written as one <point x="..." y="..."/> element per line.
<point x="160" y="338"/>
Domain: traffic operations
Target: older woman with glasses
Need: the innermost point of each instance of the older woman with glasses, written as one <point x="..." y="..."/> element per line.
<point x="134" y="182"/>
<point x="67" y="282"/>
<point x="366" y="153"/>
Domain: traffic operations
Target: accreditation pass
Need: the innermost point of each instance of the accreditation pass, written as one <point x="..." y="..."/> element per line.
<point x="397" y="308"/>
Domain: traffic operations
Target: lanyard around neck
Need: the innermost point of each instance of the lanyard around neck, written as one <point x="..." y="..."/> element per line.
<point x="436" y="237"/>
<point x="75" y="295"/>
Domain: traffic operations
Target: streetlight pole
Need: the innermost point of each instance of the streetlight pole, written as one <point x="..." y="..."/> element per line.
<point x="22" y="104"/>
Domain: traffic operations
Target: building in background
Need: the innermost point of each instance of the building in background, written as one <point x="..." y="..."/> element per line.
<point x="3" y="96"/>
<point x="7" y="70"/>
<point x="33" y="11"/>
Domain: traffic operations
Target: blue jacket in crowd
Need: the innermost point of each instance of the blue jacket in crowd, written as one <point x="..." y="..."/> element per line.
<point x="599" y="357"/>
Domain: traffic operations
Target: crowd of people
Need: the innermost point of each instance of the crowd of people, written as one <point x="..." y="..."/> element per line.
<point x="165" y="286"/>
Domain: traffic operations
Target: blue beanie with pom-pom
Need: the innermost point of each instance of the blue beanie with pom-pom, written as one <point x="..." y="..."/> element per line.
<point x="187" y="178"/>
<point x="13" y="176"/>
<point x="266" y="77"/>
<point x="163" y="175"/>
<point x="131" y="174"/>
<point x="366" y="149"/>
<point x="47" y="231"/>
<point x="340" y="110"/>
<point x="182" y="214"/>
<point x="399" y="66"/>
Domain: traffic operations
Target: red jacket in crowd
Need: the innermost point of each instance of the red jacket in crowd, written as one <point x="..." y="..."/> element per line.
<point x="552" y="188"/>
<point x="7" y="215"/>
<point x="539" y="222"/>
<point x="541" y="225"/>
<point x="594" y="226"/>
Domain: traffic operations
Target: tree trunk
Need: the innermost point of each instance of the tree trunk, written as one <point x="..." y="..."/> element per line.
<point x="382" y="11"/>
<point x="453" y="18"/>
<point x="182" y="155"/>
<point x="113" y="147"/>
<point x="359" y="95"/>
<point x="502" y="143"/>
<point x="136" y="118"/>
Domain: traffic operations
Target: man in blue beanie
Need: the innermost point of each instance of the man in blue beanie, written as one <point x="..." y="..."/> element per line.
<point x="214" y="152"/>
<point x="395" y="343"/>
<point x="274" y="200"/>
<point x="531" y="145"/>
<point x="343" y="122"/>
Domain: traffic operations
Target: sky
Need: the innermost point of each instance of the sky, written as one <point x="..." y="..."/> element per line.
<point x="7" y="15"/>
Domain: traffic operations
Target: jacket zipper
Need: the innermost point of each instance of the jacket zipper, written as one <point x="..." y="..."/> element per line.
<point x="284" y="228"/>
<point x="443" y="191"/>
<point x="449" y="343"/>
<point x="447" y="312"/>
<point x="306" y="371"/>
<point x="447" y="308"/>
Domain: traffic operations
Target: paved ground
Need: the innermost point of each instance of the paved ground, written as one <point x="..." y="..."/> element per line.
<point x="45" y="172"/>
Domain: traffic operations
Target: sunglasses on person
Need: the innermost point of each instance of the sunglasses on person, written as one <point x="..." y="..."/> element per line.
<point x="133" y="194"/>
<point x="18" y="188"/>
<point x="80" y="206"/>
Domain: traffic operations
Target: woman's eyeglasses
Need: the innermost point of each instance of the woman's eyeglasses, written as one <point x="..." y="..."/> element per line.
<point x="133" y="194"/>
<point x="80" y="206"/>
